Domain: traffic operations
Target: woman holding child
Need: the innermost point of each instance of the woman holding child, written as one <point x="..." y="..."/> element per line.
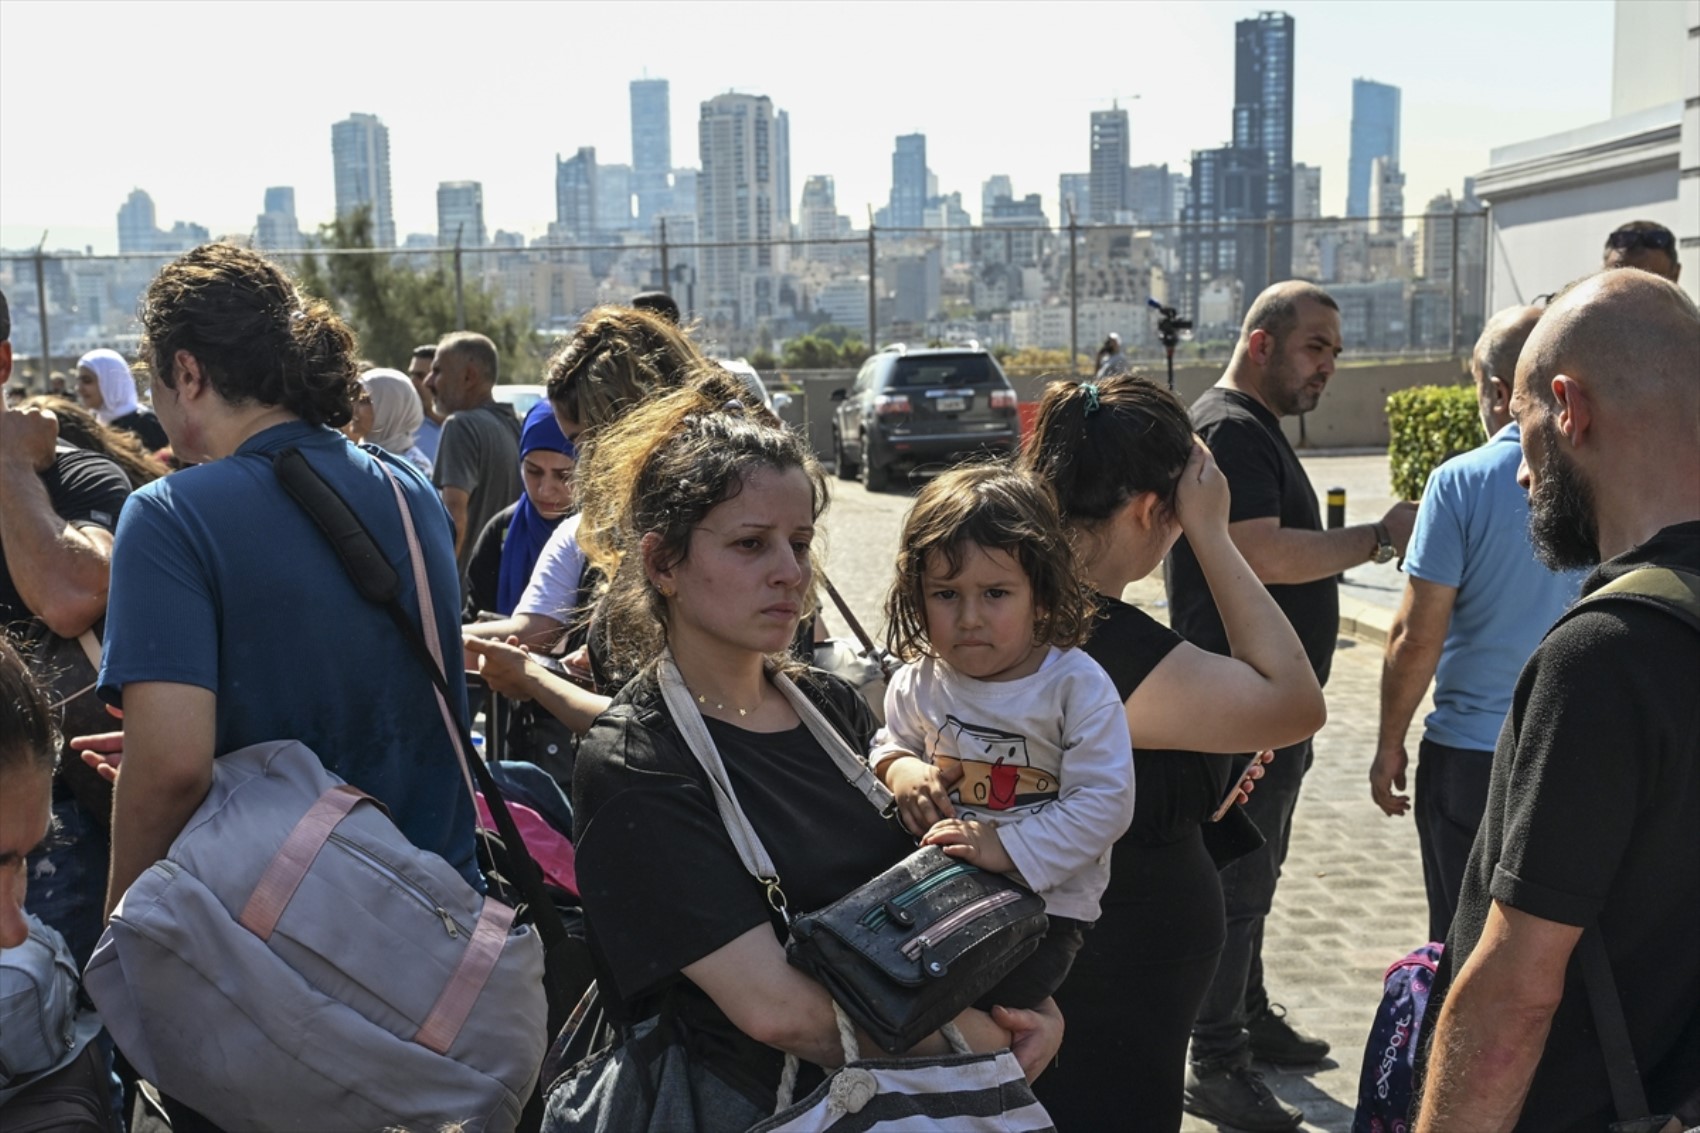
<point x="702" y="514"/>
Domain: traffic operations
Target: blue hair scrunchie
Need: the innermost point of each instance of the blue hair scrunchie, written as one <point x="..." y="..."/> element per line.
<point x="1090" y="389"/>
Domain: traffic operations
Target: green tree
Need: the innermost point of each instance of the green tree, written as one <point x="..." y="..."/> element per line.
<point x="763" y="359"/>
<point x="393" y="308"/>
<point x="808" y="352"/>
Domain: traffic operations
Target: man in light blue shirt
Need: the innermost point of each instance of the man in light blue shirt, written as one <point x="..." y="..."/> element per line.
<point x="1476" y="604"/>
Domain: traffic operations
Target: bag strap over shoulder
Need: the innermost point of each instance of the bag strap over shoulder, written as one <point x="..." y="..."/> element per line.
<point x="378" y="582"/>
<point x="1675" y="590"/>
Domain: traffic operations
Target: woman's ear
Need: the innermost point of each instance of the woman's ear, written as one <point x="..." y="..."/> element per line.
<point x="650" y="548"/>
<point x="1145" y="510"/>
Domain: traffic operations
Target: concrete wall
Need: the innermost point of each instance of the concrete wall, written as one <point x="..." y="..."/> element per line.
<point x="1353" y="413"/>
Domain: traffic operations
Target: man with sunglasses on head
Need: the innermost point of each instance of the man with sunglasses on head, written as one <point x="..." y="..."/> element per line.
<point x="1644" y="244"/>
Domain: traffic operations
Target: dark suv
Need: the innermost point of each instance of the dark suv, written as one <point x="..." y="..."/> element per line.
<point x="913" y="406"/>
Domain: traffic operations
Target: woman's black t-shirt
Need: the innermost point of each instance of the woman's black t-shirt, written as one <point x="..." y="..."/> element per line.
<point x="146" y="427"/>
<point x="661" y="882"/>
<point x="1174" y="791"/>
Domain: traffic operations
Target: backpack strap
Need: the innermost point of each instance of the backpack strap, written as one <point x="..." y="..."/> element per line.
<point x="1676" y="591"/>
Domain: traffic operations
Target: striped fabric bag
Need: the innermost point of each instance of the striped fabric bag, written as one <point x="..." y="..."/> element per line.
<point x="962" y="1091"/>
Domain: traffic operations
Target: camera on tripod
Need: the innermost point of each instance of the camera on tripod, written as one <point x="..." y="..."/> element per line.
<point x="1171" y="328"/>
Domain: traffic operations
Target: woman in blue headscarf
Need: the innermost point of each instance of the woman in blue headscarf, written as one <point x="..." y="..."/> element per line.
<point x="508" y="547"/>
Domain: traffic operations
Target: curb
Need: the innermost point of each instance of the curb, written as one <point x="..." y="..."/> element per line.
<point x="1367" y="622"/>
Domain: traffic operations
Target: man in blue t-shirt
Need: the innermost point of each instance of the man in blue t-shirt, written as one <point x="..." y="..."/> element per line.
<point x="1476" y="604"/>
<point x="232" y="621"/>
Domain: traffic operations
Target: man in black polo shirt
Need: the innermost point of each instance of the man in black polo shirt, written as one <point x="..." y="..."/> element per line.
<point x="1282" y="363"/>
<point x="1594" y="802"/>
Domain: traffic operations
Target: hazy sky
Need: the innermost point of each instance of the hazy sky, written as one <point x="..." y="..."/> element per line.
<point x="205" y="105"/>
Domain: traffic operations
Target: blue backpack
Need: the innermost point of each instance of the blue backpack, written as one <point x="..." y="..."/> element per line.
<point x="1385" y="1083"/>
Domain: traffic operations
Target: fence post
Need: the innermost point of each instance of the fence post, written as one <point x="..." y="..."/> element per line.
<point x="1452" y="306"/>
<point x="41" y="307"/>
<point x="873" y="291"/>
<point x="666" y="275"/>
<point x="1073" y="296"/>
<point x="460" y="289"/>
<point x="1269" y="279"/>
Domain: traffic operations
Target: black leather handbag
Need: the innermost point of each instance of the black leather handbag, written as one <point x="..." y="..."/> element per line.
<point x="908" y="951"/>
<point x="911" y="949"/>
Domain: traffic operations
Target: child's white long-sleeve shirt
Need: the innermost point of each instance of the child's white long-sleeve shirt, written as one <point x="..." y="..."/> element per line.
<point x="1046" y="758"/>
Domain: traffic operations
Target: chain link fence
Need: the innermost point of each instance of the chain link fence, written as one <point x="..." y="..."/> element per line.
<point x="1042" y="296"/>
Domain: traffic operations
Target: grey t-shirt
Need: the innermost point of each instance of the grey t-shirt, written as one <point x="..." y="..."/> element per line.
<point x="479" y="454"/>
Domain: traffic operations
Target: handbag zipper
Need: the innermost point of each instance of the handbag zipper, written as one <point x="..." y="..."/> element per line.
<point x="956" y="921"/>
<point x="450" y="925"/>
<point x="877" y="916"/>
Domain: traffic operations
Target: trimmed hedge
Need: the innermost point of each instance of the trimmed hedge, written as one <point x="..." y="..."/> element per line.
<point x="1427" y="426"/>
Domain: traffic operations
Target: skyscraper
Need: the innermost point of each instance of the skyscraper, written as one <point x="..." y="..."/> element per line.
<point x="1386" y="195"/>
<point x="138" y="225"/>
<point x="995" y="188"/>
<point x="1307" y="192"/>
<point x="1108" y="192"/>
<point x="652" y="146"/>
<point x="782" y="167"/>
<point x="1263" y="121"/>
<point x="908" y="181"/>
<point x="614" y="198"/>
<point x="460" y="214"/>
<point x="739" y="197"/>
<point x="277" y="227"/>
<point x="1149" y="196"/>
<point x="1375" y="133"/>
<point x="818" y="214"/>
<point x="1074" y="196"/>
<point x="575" y="193"/>
<point x="360" y="155"/>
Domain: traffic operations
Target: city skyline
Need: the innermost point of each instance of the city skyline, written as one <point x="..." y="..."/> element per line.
<point x="1044" y="104"/>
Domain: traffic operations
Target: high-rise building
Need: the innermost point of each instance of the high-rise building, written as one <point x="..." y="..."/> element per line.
<point x="739" y="198"/>
<point x="1220" y="240"/>
<point x="995" y="188"/>
<point x="138" y="224"/>
<point x="360" y="155"/>
<point x="652" y="147"/>
<point x="1386" y="195"/>
<point x="614" y="198"/>
<point x="1074" y="196"/>
<point x="782" y="166"/>
<point x="908" y="181"/>
<point x="277" y="227"/>
<point x="460" y="214"/>
<point x="1109" y="163"/>
<point x="1375" y="133"/>
<point x="1307" y="192"/>
<point x="575" y="193"/>
<point x="1148" y="194"/>
<point x="817" y="215"/>
<point x="1263" y="121"/>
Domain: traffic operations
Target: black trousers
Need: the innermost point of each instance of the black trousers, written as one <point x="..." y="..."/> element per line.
<point x="1452" y="790"/>
<point x="1137" y="982"/>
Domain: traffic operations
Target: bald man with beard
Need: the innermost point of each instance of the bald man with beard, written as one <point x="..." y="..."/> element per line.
<point x="1594" y="800"/>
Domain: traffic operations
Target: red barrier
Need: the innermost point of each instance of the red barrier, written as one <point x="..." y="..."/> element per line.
<point x="1028" y="411"/>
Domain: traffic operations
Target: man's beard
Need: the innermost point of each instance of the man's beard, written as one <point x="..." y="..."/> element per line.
<point x="1287" y="396"/>
<point x="1563" y="524"/>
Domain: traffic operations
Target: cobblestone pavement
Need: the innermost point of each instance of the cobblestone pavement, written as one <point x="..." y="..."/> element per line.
<point x="1351" y="898"/>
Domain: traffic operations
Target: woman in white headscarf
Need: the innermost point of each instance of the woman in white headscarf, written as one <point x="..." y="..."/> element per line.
<point x="396" y="415"/>
<point x="107" y="388"/>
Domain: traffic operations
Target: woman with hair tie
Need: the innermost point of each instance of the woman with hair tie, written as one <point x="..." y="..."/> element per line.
<point x="1130" y="477"/>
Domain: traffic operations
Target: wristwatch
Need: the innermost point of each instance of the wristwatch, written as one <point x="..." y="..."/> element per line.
<point x="1385" y="551"/>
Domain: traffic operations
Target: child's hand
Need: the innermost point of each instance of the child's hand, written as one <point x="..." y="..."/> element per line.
<point x="922" y="792"/>
<point x="976" y="843"/>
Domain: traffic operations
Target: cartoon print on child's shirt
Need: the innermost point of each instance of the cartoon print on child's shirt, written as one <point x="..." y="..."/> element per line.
<point x="997" y="775"/>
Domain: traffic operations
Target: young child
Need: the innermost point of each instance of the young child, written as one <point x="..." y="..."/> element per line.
<point x="1003" y="743"/>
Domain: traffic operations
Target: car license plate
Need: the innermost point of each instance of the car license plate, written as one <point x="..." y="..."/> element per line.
<point x="952" y="404"/>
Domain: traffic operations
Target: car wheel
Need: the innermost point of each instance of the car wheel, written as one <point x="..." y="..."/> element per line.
<point x="875" y="476"/>
<point x="845" y="468"/>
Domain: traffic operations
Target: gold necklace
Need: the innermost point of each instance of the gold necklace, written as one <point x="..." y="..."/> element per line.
<point x="703" y="701"/>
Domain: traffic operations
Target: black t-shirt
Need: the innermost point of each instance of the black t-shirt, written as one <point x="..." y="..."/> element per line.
<point x="1593" y="811"/>
<point x="145" y="426"/>
<point x="1174" y="791"/>
<point x="86" y="489"/>
<point x="1266" y="479"/>
<point x="661" y="882"/>
<point x="484" y="568"/>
